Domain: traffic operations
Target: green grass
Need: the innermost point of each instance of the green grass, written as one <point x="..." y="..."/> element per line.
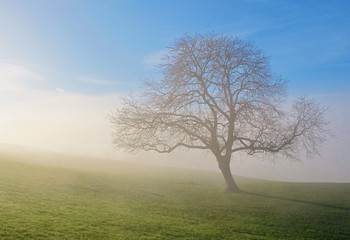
<point x="126" y="201"/>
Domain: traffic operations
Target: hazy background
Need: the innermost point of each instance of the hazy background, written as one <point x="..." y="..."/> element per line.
<point x="65" y="64"/>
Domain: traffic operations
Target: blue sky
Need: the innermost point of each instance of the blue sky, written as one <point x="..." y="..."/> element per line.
<point x="65" y="63"/>
<point x="102" y="47"/>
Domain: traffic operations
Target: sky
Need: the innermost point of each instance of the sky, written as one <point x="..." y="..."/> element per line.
<point x="64" y="65"/>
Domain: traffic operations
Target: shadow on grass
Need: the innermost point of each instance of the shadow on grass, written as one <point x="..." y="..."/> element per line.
<point x="296" y="200"/>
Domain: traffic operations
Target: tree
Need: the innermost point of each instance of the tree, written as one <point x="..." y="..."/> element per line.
<point x="218" y="94"/>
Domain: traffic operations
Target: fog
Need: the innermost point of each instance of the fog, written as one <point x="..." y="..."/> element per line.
<point x="77" y="124"/>
<point x="58" y="122"/>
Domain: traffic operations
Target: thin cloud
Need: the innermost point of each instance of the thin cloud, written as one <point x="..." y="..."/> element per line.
<point x="60" y="90"/>
<point x="97" y="81"/>
<point x="154" y="59"/>
<point x="16" y="77"/>
<point x="10" y="70"/>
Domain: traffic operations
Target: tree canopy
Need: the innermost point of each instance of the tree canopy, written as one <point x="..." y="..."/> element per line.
<point x="218" y="93"/>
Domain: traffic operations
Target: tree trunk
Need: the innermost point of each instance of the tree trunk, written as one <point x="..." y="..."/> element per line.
<point x="226" y="172"/>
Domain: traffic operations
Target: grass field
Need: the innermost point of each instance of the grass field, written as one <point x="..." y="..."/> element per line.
<point x="129" y="201"/>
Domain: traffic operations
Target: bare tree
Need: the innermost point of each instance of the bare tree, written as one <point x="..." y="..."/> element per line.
<point x="218" y="94"/>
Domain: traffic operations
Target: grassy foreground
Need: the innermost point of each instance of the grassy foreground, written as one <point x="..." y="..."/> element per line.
<point x="126" y="201"/>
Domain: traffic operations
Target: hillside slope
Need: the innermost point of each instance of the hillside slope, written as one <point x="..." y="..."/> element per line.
<point x="128" y="201"/>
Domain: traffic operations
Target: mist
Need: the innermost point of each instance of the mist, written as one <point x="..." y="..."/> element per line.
<point x="55" y="121"/>
<point x="77" y="124"/>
